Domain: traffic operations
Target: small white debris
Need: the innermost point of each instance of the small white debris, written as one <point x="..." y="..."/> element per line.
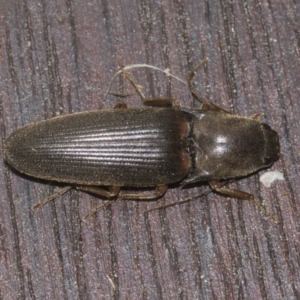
<point x="267" y="178"/>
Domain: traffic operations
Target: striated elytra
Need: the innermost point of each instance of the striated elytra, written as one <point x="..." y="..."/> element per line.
<point x="133" y="147"/>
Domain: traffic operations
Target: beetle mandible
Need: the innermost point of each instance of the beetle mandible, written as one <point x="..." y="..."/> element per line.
<point x="144" y="147"/>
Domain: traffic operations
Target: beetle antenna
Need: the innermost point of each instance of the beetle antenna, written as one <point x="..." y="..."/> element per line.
<point x="135" y="66"/>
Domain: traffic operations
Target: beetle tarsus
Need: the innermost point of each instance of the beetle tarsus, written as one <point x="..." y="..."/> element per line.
<point x="52" y="197"/>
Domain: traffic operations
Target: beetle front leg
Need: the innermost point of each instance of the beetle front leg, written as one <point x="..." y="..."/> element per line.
<point x="206" y="104"/>
<point x="215" y="185"/>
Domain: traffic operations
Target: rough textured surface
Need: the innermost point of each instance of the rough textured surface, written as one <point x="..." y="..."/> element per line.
<point x="58" y="57"/>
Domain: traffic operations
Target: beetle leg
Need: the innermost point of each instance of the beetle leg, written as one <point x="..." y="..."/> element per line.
<point x="206" y="104"/>
<point x="215" y="185"/>
<point x="111" y="193"/>
<point x="135" y="86"/>
<point x="161" y="102"/>
<point x="150" y="102"/>
<point x="159" y="191"/>
<point x="52" y="197"/>
<point x="257" y="117"/>
<point x="97" y="208"/>
<point x="147" y="195"/>
<point x="120" y="105"/>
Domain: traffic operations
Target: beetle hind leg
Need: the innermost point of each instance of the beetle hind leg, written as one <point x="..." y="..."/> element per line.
<point x="215" y="185"/>
<point x="111" y="193"/>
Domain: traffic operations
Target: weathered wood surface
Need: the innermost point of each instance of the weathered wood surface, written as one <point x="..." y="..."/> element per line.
<point x="58" y="57"/>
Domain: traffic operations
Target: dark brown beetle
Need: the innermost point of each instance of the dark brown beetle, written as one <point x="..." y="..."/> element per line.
<point x="146" y="147"/>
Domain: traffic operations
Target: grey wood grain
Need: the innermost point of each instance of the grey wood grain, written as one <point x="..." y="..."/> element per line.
<point x="57" y="57"/>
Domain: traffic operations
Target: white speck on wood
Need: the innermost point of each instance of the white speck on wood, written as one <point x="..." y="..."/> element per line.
<point x="267" y="178"/>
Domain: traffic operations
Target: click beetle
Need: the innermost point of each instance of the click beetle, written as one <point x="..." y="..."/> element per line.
<point x="150" y="147"/>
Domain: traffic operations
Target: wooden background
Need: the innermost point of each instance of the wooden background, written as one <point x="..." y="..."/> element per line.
<point x="57" y="57"/>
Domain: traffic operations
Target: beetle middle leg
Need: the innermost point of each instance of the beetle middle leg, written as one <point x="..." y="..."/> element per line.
<point x="150" y="102"/>
<point x="111" y="193"/>
<point x="120" y="105"/>
<point x="60" y="192"/>
<point x="146" y="195"/>
<point x="114" y="192"/>
<point x="215" y="185"/>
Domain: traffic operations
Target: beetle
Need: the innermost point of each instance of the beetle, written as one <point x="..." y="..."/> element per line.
<point x="149" y="147"/>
